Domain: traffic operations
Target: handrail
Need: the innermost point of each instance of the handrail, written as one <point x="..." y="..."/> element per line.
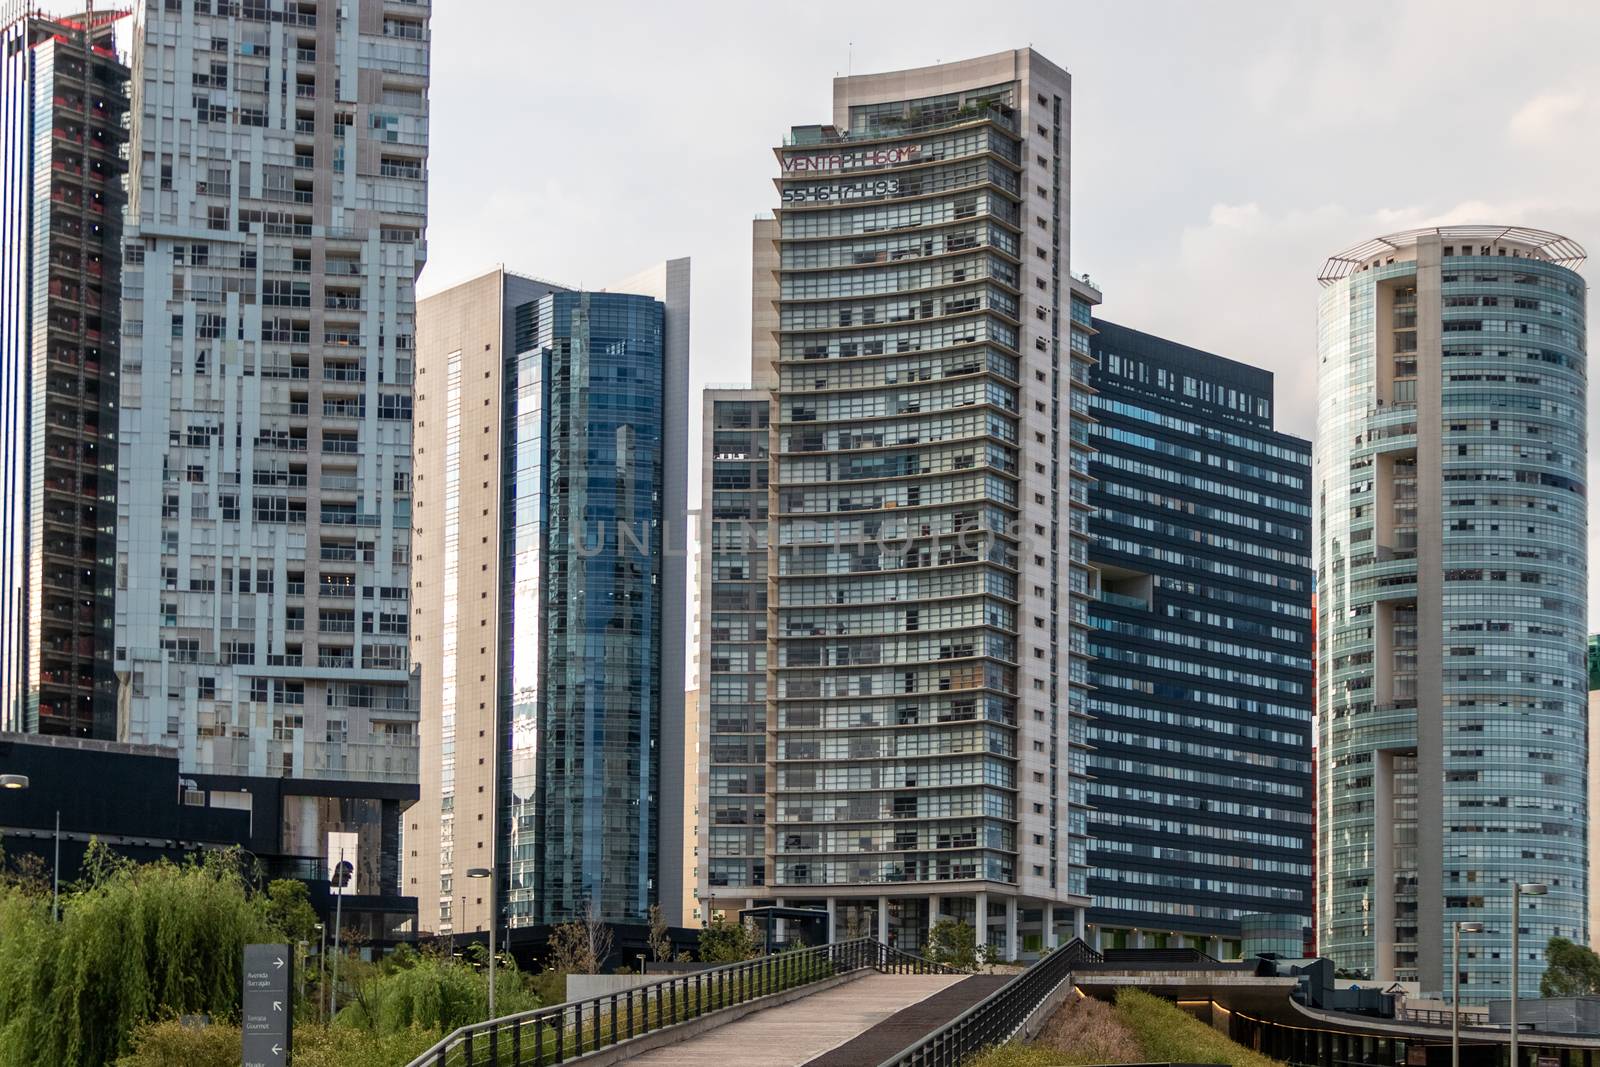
<point x="996" y="1018"/>
<point x="568" y="1032"/>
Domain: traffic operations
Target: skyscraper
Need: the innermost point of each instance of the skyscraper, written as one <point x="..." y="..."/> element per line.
<point x="63" y="101"/>
<point x="734" y="464"/>
<point x="927" y="565"/>
<point x="550" y="596"/>
<point x="1200" y="768"/>
<point x="1450" y="467"/>
<point x="279" y="198"/>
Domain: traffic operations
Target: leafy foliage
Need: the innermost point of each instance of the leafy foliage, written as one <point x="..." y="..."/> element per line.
<point x="167" y="1043"/>
<point x="660" y="943"/>
<point x="722" y="941"/>
<point x="953" y="943"/>
<point x="430" y="991"/>
<point x="134" y="941"/>
<point x="1571" y="970"/>
<point x="289" y="910"/>
<point x="581" y="946"/>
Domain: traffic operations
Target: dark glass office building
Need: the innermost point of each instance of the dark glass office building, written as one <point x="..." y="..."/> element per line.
<point x="583" y="533"/>
<point x="550" y="459"/>
<point x="63" y="111"/>
<point x="1200" y="732"/>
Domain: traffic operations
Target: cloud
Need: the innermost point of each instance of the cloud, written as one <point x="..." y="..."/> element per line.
<point x="1550" y="117"/>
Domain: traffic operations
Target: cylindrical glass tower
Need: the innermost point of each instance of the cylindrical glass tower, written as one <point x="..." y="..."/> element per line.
<point x="1450" y="470"/>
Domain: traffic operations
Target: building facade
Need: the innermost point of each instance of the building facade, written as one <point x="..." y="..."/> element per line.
<point x="1451" y="602"/>
<point x="1200" y="764"/>
<point x="927" y="550"/>
<point x="735" y="462"/>
<point x="63" y="109"/>
<point x="550" y="596"/>
<point x="278" y="200"/>
<point x="144" y="808"/>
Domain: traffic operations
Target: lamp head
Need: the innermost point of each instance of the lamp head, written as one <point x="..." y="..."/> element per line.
<point x="479" y="872"/>
<point x="13" y="781"/>
<point x="1470" y="928"/>
<point x="1532" y="889"/>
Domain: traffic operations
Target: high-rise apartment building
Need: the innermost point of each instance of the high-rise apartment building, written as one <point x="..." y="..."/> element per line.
<point x="1450" y="470"/>
<point x="278" y="201"/>
<point x="926" y="564"/>
<point x="63" y="105"/>
<point x="1200" y="782"/>
<point x="551" y="484"/>
<point x="735" y="467"/>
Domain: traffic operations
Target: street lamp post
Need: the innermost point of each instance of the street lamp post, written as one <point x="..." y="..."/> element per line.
<point x="484" y="872"/>
<point x="341" y="878"/>
<point x="1518" y="890"/>
<point x="1456" y="930"/>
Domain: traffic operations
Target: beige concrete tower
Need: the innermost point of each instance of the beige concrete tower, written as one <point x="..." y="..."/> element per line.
<point x="907" y="723"/>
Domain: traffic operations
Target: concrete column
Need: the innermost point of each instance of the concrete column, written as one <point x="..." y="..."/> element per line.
<point x="1049" y="925"/>
<point x="980" y="917"/>
<point x="1383" y="909"/>
<point x="1214" y="948"/>
<point x="1096" y="940"/>
<point x="883" y="920"/>
<point x="933" y="909"/>
<point x="1431" y="733"/>
<point x="832" y="937"/>
<point x="1013" y="943"/>
<point x="779" y="928"/>
<point x="1078" y="925"/>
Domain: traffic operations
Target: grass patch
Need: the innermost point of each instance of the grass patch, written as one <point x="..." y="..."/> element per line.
<point x="1171" y="1035"/>
<point x="1140" y="1029"/>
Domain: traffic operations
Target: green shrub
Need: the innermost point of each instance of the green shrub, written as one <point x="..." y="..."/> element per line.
<point x="954" y="944"/>
<point x="135" y="942"/>
<point x="169" y="1044"/>
<point x="428" y="991"/>
<point x="722" y="941"/>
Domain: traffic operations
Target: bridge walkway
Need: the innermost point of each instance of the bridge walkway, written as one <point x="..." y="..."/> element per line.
<point x="793" y="1034"/>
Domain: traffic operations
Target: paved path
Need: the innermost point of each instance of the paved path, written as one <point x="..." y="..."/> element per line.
<point x="909" y="1025"/>
<point x="791" y="1034"/>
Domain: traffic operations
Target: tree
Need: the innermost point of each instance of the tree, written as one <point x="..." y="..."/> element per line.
<point x="722" y="941"/>
<point x="581" y="946"/>
<point x="289" y="909"/>
<point x="954" y="944"/>
<point x="1571" y="970"/>
<point x="660" y="943"/>
<point x="134" y="942"/>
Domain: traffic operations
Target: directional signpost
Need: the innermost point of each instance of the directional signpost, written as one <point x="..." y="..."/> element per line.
<point x="268" y="1006"/>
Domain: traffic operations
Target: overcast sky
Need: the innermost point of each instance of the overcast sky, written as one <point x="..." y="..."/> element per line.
<point x="1220" y="151"/>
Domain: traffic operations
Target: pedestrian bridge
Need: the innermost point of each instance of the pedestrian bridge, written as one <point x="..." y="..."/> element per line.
<point x="839" y="1005"/>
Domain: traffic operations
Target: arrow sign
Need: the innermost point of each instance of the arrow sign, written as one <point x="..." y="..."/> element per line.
<point x="268" y="977"/>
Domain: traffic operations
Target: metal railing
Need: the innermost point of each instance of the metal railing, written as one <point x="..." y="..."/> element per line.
<point x="563" y="1033"/>
<point x="997" y="1018"/>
